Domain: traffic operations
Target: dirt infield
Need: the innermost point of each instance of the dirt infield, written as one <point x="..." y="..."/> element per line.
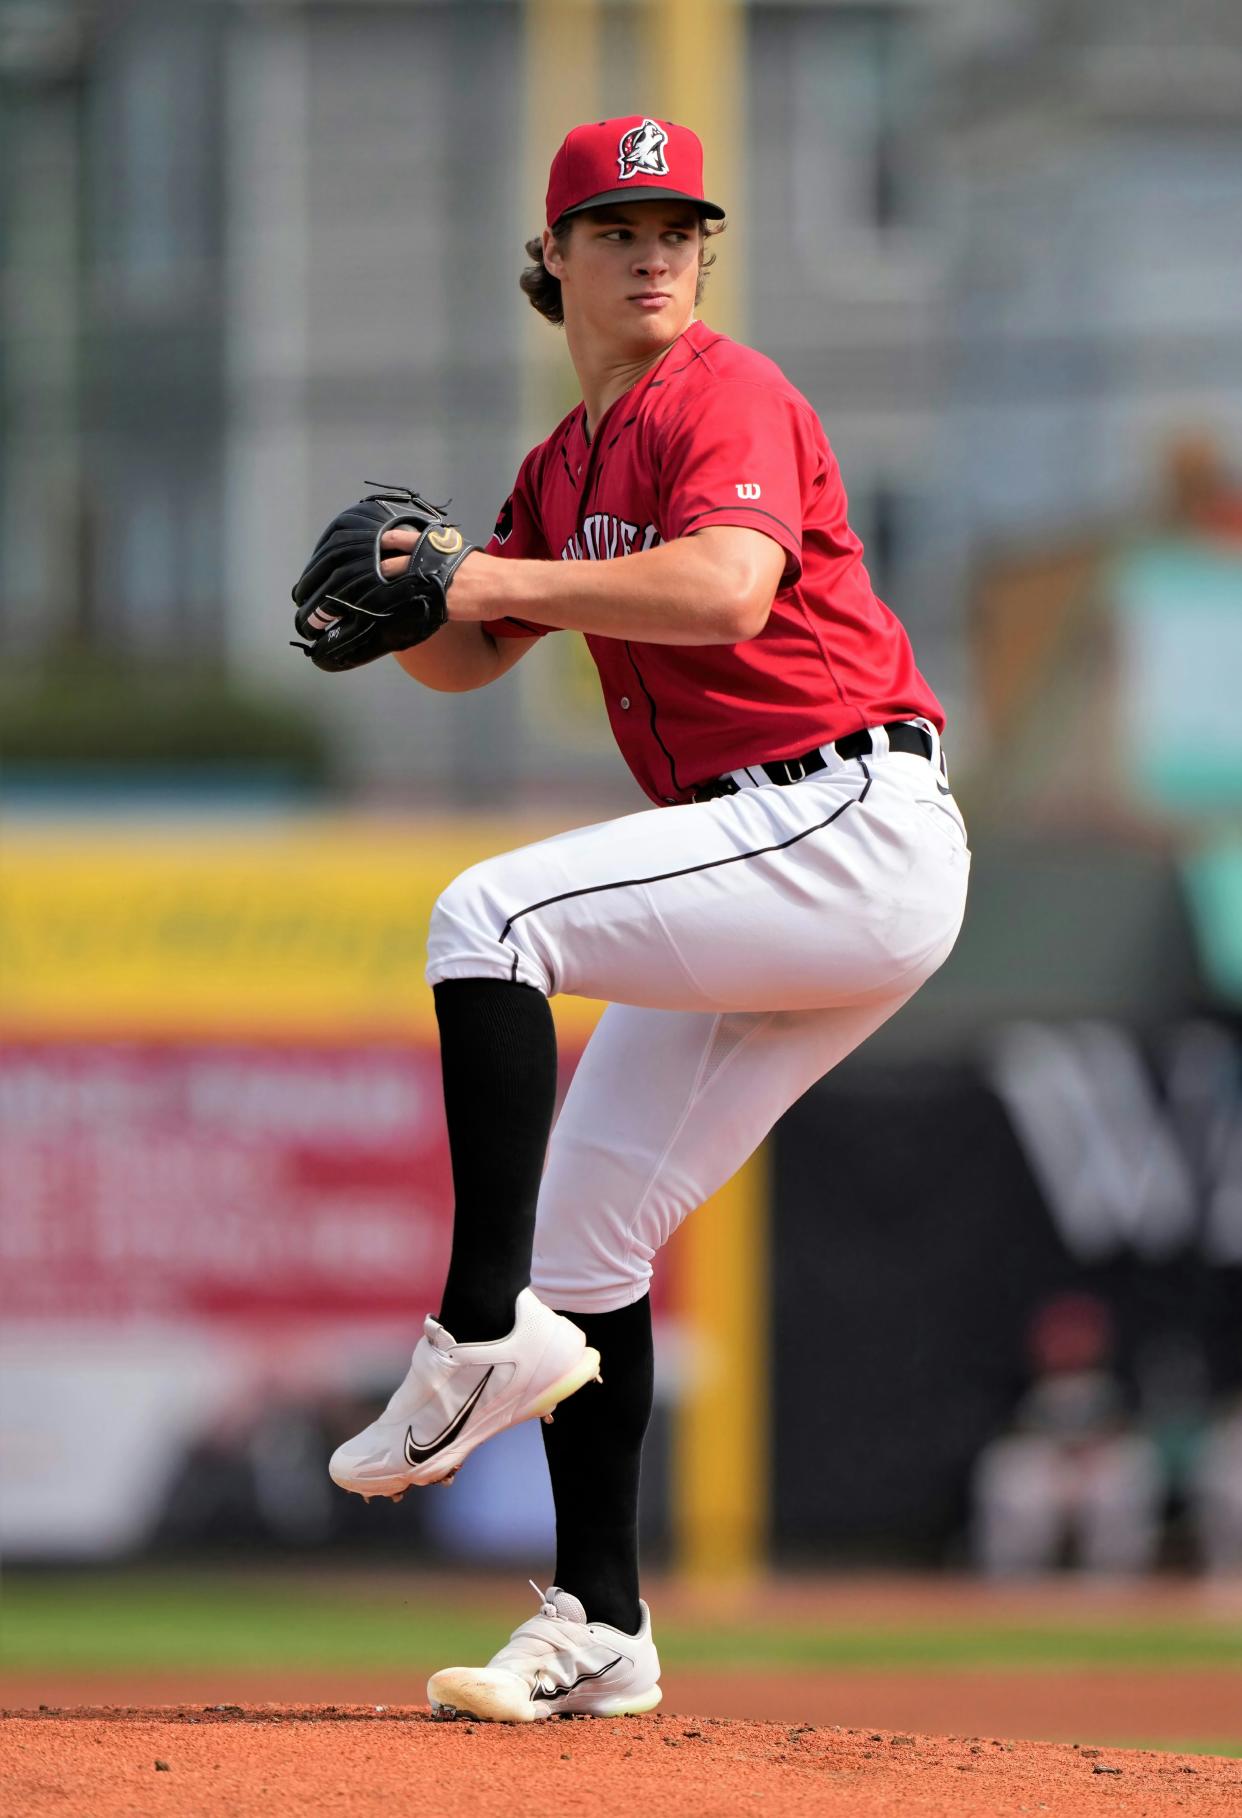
<point x="1200" y="1707"/>
<point x="359" y="1760"/>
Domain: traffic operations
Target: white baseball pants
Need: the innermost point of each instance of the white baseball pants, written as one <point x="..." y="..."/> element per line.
<point x="744" y="945"/>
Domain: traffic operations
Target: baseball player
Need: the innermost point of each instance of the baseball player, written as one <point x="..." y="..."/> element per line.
<point x="800" y="874"/>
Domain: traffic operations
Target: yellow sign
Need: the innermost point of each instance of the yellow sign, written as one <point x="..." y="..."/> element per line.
<point x="298" y="929"/>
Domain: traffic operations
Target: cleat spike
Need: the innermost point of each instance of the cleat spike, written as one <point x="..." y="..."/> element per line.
<point x="547" y="1419"/>
<point x="397" y="1496"/>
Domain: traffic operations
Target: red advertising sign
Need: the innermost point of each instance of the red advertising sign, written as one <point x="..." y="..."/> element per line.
<point x="171" y="1179"/>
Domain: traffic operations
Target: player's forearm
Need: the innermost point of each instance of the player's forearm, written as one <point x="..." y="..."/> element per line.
<point x="458" y="658"/>
<point x="680" y="593"/>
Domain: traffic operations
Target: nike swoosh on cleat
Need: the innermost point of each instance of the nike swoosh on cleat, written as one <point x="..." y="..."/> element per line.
<point x="563" y="1691"/>
<point x="416" y="1454"/>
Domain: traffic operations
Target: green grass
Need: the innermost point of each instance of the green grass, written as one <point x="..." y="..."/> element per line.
<point x="1232" y="1749"/>
<point x="160" y="1620"/>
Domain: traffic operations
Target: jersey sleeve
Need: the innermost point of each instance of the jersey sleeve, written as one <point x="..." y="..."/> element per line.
<point x="517" y="535"/>
<point x="737" y="456"/>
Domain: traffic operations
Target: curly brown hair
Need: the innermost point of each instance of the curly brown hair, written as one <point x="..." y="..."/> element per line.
<point x="544" y="291"/>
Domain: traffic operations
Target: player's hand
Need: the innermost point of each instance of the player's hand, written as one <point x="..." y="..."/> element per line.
<point x="350" y="610"/>
<point x="474" y="592"/>
<point x="394" y="563"/>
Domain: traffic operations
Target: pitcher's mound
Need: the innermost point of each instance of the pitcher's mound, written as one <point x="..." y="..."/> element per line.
<point x="362" y="1759"/>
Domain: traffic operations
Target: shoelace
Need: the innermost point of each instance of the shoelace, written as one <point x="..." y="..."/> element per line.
<point x="546" y="1606"/>
<point x="546" y="1630"/>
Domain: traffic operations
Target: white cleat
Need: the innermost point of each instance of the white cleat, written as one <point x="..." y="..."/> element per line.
<point x="456" y="1396"/>
<point x="557" y="1663"/>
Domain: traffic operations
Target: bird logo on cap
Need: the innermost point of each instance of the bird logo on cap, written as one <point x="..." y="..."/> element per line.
<point x="642" y="150"/>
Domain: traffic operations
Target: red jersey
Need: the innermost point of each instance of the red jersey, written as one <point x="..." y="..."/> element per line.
<point x="716" y="434"/>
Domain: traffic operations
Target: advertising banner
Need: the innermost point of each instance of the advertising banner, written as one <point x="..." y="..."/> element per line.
<point x="226" y="1192"/>
<point x="172" y="1180"/>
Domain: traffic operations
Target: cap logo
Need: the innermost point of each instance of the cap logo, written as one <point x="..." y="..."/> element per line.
<point x="642" y="150"/>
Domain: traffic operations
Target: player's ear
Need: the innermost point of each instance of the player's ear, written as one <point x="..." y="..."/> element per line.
<point x="553" y="263"/>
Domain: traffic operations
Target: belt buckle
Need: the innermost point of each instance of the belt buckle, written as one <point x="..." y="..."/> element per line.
<point x="715" y="789"/>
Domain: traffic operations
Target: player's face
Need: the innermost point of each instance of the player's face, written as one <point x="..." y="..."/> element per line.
<point x="629" y="273"/>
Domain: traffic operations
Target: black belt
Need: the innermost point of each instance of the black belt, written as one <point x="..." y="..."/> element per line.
<point x="902" y="736"/>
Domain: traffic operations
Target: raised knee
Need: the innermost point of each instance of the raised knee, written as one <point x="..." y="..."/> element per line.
<point x="469" y="937"/>
<point x="464" y="936"/>
<point x="461" y="904"/>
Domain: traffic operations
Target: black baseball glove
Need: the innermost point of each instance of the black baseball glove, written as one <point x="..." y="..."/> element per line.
<point x="348" y="612"/>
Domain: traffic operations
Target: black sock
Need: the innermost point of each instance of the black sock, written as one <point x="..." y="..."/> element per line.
<point x="593" y="1447"/>
<point x="498" y="1057"/>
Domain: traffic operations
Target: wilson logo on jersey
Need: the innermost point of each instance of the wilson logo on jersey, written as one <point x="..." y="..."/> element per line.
<point x="602" y="536"/>
<point x="642" y="149"/>
<point x="748" y="491"/>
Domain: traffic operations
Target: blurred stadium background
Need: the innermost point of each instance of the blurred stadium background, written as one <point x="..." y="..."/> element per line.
<point x="989" y="1274"/>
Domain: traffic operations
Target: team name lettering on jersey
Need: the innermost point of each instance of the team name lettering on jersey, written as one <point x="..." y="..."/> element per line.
<point x="603" y="536"/>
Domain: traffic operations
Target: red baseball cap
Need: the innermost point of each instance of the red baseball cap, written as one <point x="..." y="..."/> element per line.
<point x="614" y="160"/>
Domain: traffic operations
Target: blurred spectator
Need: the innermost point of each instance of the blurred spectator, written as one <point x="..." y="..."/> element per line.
<point x="1202" y="496"/>
<point x="1174" y="1401"/>
<point x="1216" y="1493"/>
<point x="257" y="1474"/>
<point x="1072" y="1478"/>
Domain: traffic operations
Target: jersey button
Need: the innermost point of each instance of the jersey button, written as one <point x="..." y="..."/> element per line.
<point x="625" y="702"/>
